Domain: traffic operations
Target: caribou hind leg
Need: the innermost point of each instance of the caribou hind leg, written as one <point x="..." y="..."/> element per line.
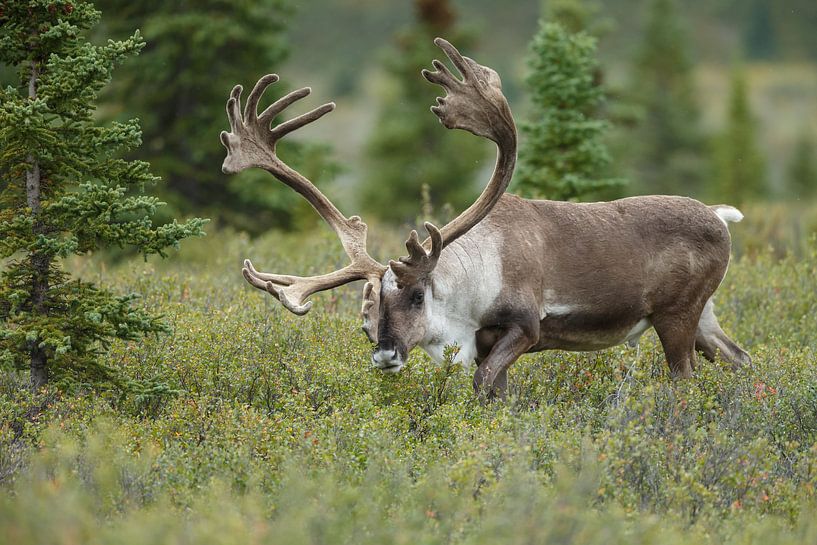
<point x="677" y="335"/>
<point x="712" y="341"/>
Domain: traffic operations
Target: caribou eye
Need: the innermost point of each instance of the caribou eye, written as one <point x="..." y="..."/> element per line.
<point x="417" y="297"/>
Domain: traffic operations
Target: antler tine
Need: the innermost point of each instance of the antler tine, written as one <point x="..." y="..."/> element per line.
<point x="251" y="143"/>
<point x="282" y="104"/>
<point x="370" y="309"/>
<point x="293" y="291"/>
<point x="442" y="76"/>
<point x="420" y="262"/>
<point x="435" y="235"/>
<point x="251" y="108"/>
<point x="415" y="249"/>
<point x="456" y="58"/>
<point x="304" y="119"/>
<point x="234" y="108"/>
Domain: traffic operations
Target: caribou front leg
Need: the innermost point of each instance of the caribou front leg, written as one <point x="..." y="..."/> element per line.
<point x="490" y="378"/>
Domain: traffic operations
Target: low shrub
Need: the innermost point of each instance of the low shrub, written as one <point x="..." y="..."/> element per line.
<point x="259" y="426"/>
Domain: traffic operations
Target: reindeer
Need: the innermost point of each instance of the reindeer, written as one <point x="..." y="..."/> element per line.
<point x="508" y="275"/>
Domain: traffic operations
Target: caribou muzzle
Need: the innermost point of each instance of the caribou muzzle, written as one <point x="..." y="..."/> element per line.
<point x="388" y="357"/>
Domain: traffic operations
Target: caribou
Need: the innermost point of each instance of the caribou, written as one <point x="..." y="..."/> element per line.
<point x="508" y="275"/>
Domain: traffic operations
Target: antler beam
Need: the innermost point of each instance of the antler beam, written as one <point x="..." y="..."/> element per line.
<point x="475" y="104"/>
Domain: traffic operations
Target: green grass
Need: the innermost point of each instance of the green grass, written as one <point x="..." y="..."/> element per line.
<point x="269" y="428"/>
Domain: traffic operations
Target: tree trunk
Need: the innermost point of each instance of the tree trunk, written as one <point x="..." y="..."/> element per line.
<point x="40" y="262"/>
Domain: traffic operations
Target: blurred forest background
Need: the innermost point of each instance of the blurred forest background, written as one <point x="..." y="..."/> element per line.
<point x="194" y="409"/>
<point x="716" y="99"/>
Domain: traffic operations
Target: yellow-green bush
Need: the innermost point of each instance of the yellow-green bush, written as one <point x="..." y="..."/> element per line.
<point x="265" y="427"/>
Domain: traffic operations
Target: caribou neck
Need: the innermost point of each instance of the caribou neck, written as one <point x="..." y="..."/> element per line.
<point x="463" y="288"/>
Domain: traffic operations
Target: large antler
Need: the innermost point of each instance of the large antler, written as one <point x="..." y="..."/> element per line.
<point x="476" y="104"/>
<point x="251" y="143"/>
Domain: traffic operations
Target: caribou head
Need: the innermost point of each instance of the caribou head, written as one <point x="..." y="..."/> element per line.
<point x="508" y="275"/>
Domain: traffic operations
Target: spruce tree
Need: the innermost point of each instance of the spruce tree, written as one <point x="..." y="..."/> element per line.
<point x="802" y="171"/>
<point x="64" y="190"/>
<point x="740" y="171"/>
<point x="576" y="16"/>
<point x="563" y="155"/>
<point x="196" y="52"/>
<point x="667" y="147"/>
<point x="759" y="37"/>
<point x="408" y="147"/>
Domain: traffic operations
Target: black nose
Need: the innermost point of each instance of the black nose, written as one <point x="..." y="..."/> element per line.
<point x="385" y="346"/>
<point x="386" y="355"/>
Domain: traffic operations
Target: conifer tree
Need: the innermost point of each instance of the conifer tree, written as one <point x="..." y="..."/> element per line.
<point x="196" y="52"/>
<point x="759" y="34"/>
<point x="802" y="171"/>
<point x="563" y="155"/>
<point x="408" y="147"/>
<point x="64" y="190"/>
<point x="576" y="16"/>
<point x="740" y="171"/>
<point x="667" y="147"/>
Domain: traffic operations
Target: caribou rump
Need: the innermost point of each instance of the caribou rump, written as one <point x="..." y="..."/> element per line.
<point x="508" y="275"/>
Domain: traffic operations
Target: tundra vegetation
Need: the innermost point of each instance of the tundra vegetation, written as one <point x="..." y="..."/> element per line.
<point x="274" y="428"/>
<point x="252" y="425"/>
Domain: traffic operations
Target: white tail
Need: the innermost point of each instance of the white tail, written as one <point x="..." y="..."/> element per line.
<point x="727" y="214"/>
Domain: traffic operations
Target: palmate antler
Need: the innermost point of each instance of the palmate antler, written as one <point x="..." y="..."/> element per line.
<point x="476" y="104"/>
<point x="251" y="143"/>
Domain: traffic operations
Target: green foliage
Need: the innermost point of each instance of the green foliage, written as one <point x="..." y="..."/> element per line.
<point x="576" y="16"/>
<point x="178" y="87"/>
<point x="408" y="146"/>
<point x="779" y="229"/>
<point x="107" y="478"/>
<point x="246" y="424"/>
<point x="65" y="190"/>
<point x="802" y="171"/>
<point x="564" y="156"/>
<point x="667" y="146"/>
<point x="759" y="33"/>
<point x="275" y="428"/>
<point x="740" y="170"/>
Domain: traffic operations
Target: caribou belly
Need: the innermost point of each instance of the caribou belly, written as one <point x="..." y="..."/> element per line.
<point x="576" y="331"/>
